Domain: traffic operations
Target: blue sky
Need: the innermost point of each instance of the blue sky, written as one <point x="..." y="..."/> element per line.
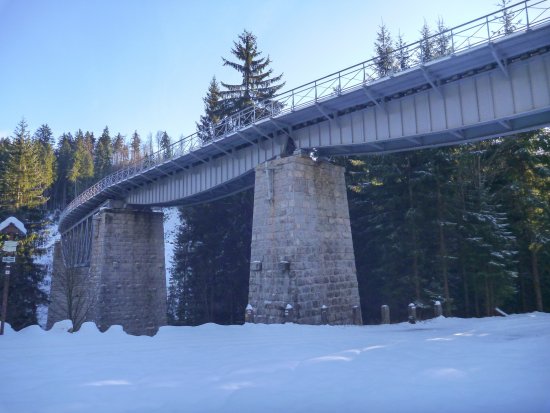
<point x="145" y="65"/>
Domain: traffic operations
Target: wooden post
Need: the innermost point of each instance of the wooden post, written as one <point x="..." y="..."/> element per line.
<point x="438" y="309"/>
<point x="5" y="300"/>
<point x="412" y="313"/>
<point x="385" y="314"/>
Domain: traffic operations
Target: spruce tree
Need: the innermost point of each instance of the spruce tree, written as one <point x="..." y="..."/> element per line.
<point x="426" y="48"/>
<point x="103" y="159"/>
<point x="384" y="52"/>
<point x="402" y="55"/>
<point x="258" y="85"/>
<point x="82" y="168"/>
<point x="506" y="19"/>
<point x="119" y="150"/>
<point x="441" y="43"/>
<point x="213" y="111"/>
<point x="165" y="146"/>
<point x="23" y="182"/>
<point x="135" y="147"/>
<point x="44" y="138"/>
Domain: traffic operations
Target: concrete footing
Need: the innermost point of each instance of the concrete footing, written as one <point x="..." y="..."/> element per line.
<point x="302" y="253"/>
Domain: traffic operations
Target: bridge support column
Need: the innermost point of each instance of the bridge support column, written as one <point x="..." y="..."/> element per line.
<point x="128" y="262"/>
<point x="302" y="252"/>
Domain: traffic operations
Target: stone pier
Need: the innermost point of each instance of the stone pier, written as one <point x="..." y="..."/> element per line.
<point x="126" y="278"/>
<point x="302" y="260"/>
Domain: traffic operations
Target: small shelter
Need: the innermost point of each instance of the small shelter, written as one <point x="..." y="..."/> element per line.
<point x="13" y="228"/>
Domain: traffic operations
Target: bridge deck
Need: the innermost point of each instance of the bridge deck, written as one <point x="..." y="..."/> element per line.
<point x="197" y="174"/>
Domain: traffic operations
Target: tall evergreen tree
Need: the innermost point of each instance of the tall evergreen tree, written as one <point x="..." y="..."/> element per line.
<point x="213" y="111"/>
<point x="402" y="54"/>
<point x="384" y="52"/>
<point x="442" y="41"/>
<point x="135" y="147"/>
<point x="506" y="18"/>
<point x="120" y="150"/>
<point x="165" y="145"/>
<point x="426" y="48"/>
<point x="44" y="138"/>
<point x="209" y="281"/>
<point x="103" y="159"/>
<point x="258" y="84"/>
<point x="82" y="167"/>
<point x="23" y="183"/>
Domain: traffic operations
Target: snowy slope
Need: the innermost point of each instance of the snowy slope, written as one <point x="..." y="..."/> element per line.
<point x="50" y="235"/>
<point x="499" y="364"/>
<point x="171" y="223"/>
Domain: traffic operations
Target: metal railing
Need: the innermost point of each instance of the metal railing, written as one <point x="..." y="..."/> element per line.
<point x="515" y="18"/>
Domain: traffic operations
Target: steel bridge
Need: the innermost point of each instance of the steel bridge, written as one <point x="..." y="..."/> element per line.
<point x="494" y="81"/>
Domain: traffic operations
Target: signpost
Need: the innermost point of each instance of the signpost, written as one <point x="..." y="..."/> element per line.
<point x="14" y="230"/>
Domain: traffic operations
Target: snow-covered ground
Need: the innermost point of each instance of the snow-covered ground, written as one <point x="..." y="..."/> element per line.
<point x="499" y="364"/>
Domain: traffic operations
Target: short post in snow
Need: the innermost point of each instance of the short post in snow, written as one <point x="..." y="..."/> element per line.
<point x="324" y="314"/>
<point x="14" y="231"/>
<point x="412" y="313"/>
<point x="289" y="314"/>
<point x="385" y="309"/>
<point x="249" y="314"/>
<point x="356" y="316"/>
<point x="438" y="309"/>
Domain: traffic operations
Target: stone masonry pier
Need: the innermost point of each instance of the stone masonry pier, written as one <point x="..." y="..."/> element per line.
<point x="125" y="282"/>
<point x="302" y="260"/>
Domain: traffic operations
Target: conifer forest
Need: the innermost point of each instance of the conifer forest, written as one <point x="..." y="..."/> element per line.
<point x="466" y="225"/>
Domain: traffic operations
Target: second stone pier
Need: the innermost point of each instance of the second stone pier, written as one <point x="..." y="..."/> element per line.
<point x="302" y="260"/>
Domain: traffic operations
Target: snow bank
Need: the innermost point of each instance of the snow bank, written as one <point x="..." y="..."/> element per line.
<point x="446" y="365"/>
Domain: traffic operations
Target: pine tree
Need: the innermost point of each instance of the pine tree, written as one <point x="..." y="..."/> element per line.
<point x="258" y="85"/>
<point x="103" y="159"/>
<point x="119" y="150"/>
<point x="165" y="146"/>
<point x="384" y="52"/>
<point x="402" y="55"/>
<point x="135" y="147"/>
<point x="441" y="43"/>
<point x="209" y="281"/>
<point x="23" y="183"/>
<point x="213" y="110"/>
<point x="524" y="188"/>
<point x="426" y="49"/>
<point x="506" y="19"/>
<point x="44" y="137"/>
<point x="82" y="168"/>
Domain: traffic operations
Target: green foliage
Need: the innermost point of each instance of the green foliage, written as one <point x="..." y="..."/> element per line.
<point x="103" y="159"/>
<point x="213" y="111"/>
<point x="466" y="225"/>
<point x="209" y="282"/>
<point x="384" y="52"/>
<point x="23" y="184"/>
<point x="25" y="293"/>
<point x="257" y="84"/>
